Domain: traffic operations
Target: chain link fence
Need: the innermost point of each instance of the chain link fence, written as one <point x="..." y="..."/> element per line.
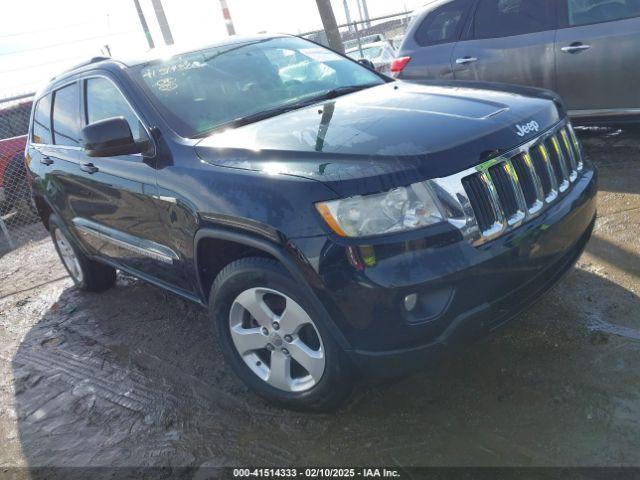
<point x="19" y="221"/>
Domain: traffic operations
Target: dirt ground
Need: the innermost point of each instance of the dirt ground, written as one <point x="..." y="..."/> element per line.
<point x="134" y="376"/>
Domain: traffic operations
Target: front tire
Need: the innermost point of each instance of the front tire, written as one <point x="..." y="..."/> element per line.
<point x="87" y="274"/>
<point x="275" y="340"/>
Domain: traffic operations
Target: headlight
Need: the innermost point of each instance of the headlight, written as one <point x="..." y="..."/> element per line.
<point x="401" y="209"/>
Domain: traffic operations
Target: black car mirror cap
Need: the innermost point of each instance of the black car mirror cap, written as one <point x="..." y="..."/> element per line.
<point x="111" y="137"/>
<point x="367" y="63"/>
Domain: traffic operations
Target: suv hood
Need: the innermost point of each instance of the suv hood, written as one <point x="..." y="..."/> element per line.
<point x="391" y="135"/>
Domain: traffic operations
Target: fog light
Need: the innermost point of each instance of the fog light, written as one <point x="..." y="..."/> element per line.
<point x="410" y="301"/>
<point x="368" y="255"/>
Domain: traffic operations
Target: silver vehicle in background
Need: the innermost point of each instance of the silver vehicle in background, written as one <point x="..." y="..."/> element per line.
<point x="381" y="54"/>
<point x="585" y="50"/>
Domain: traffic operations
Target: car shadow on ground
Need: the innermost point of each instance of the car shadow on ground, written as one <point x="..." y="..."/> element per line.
<point x="134" y="377"/>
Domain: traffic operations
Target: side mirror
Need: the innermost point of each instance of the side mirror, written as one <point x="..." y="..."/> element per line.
<point x="111" y="137"/>
<point x="367" y="63"/>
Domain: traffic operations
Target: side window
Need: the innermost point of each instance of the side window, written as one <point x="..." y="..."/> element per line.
<point x="104" y="100"/>
<point x="504" y="18"/>
<point x="66" y="110"/>
<point x="41" y="131"/>
<point x="585" y="12"/>
<point x="443" y="25"/>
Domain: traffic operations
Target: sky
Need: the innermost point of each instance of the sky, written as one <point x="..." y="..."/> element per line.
<point x="40" y="38"/>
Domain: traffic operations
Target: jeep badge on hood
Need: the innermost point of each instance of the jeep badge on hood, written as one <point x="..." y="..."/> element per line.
<point x="532" y="126"/>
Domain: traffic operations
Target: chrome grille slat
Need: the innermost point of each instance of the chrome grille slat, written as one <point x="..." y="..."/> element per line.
<point x="557" y="159"/>
<point x="556" y="165"/>
<point x="537" y="184"/>
<point x="576" y="147"/>
<point x="544" y="172"/>
<point x="499" y="224"/>
<point x="565" y="162"/>
<point x="570" y="153"/>
<point x="555" y="187"/>
<point x="519" y="194"/>
<point x="514" y="188"/>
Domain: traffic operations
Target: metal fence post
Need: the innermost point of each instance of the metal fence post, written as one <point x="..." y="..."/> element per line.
<point x="355" y="25"/>
<point x="5" y="230"/>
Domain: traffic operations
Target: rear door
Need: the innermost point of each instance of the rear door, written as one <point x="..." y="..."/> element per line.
<point x="59" y="150"/>
<point x="431" y="42"/>
<point x="510" y="41"/>
<point x="597" y="54"/>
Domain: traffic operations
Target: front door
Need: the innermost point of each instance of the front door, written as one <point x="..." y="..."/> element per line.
<point x="509" y="41"/>
<point x="597" y="55"/>
<point x="119" y="219"/>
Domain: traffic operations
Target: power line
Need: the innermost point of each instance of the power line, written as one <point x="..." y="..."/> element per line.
<point x="97" y="37"/>
<point x="30" y="67"/>
<point x="49" y="29"/>
<point x="17" y="97"/>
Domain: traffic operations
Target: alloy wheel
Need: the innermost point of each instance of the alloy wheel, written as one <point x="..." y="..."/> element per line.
<point x="277" y="339"/>
<point x="68" y="256"/>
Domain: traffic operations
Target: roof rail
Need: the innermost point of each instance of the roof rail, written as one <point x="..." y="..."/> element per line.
<point x="82" y="64"/>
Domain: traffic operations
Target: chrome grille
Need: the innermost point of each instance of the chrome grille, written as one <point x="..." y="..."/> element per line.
<point x="507" y="191"/>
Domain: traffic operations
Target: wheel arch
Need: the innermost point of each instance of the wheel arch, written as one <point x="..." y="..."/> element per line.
<point x="44" y="208"/>
<point x="263" y="247"/>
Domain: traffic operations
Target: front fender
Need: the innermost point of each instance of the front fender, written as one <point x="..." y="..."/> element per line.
<point x="287" y="254"/>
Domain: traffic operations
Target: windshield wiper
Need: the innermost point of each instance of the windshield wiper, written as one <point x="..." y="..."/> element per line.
<point x="252" y="118"/>
<point x="337" y="92"/>
<point x="256" y="117"/>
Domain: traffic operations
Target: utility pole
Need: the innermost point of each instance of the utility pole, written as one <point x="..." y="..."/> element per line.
<point x="360" y="12"/>
<point x="143" y="22"/>
<point x="347" y="14"/>
<point x="330" y="25"/>
<point x="162" y="21"/>
<point x="365" y="9"/>
<point x="227" y="17"/>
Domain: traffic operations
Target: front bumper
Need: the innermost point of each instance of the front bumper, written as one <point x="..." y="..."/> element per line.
<point x="464" y="291"/>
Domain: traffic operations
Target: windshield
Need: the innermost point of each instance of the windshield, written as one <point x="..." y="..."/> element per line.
<point x="200" y="91"/>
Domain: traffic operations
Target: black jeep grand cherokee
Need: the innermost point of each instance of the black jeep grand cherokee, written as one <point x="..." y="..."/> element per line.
<point x="334" y="221"/>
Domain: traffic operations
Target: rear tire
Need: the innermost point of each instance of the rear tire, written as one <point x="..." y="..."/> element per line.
<point x="288" y="357"/>
<point x="87" y="274"/>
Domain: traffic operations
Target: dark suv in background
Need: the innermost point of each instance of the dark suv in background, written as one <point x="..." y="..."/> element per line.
<point x="585" y="50"/>
<point x="332" y="220"/>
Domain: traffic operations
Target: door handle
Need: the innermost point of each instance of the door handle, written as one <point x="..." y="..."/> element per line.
<point x="466" y="60"/>
<point x="46" y="160"/>
<point x="575" y="47"/>
<point x="89" y="168"/>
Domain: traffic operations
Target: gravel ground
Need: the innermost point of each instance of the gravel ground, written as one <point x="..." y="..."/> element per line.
<point x="134" y="377"/>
